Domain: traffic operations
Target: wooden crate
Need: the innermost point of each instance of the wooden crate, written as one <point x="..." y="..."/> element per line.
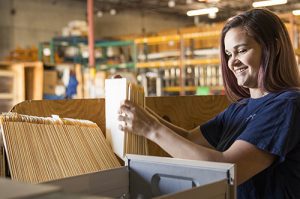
<point x="185" y="111"/>
<point x="7" y="90"/>
<point x="28" y="80"/>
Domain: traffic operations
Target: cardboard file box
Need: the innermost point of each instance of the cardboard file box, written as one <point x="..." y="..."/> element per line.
<point x="148" y="177"/>
<point x="190" y="111"/>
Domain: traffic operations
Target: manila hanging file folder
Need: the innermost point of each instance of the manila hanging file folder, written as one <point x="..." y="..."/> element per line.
<point x="116" y="91"/>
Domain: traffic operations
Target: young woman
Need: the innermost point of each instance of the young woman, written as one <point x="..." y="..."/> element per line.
<point x="260" y="131"/>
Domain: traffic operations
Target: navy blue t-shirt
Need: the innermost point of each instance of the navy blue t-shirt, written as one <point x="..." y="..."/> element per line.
<point x="272" y="124"/>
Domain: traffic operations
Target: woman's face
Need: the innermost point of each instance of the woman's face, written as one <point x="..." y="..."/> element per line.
<point x="244" y="57"/>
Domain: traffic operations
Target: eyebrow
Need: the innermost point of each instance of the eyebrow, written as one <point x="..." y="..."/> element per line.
<point x="237" y="46"/>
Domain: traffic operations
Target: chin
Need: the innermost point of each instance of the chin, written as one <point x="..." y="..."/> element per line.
<point x="246" y="84"/>
<point x="242" y="84"/>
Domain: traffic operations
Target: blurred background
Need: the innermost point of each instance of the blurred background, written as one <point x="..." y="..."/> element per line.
<point x="62" y="49"/>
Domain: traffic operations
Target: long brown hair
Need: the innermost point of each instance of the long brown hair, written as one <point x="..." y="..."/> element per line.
<point x="278" y="70"/>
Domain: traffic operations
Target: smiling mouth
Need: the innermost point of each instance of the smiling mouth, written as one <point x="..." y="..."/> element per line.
<point x="240" y="70"/>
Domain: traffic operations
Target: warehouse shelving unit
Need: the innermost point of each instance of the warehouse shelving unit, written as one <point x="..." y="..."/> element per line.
<point x="117" y="55"/>
<point x="56" y="50"/>
<point x="7" y="90"/>
<point x="20" y="81"/>
<point x="183" y="61"/>
<point x="293" y="27"/>
<point x="110" y="56"/>
<point x="191" y="57"/>
<point x="176" y="62"/>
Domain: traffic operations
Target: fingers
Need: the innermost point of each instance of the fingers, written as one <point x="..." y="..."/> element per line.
<point x="123" y="118"/>
<point x="117" y="76"/>
<point x="125" y="124"/>
<point x="127" y="112"/>
<point x="127" y="107"/>
<point x="124" y="113"/>
<point x="128" y="103"/>
<point x="121" y="127"/>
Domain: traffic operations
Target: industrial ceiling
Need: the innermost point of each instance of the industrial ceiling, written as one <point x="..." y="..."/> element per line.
<point x="227" y="8"/>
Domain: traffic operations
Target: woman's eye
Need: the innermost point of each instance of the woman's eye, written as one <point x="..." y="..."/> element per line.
<point x="242" y="51"/>
<point x="228" y="54"/>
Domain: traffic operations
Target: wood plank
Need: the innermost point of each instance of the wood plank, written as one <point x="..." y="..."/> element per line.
<point x="187" y="112"/>
<point x="79" y="77"/>
<point x="6" y="73"/>
<point x="19" y="82"/>
<point x="38" y="78"/>
<point x="6" y="96"/>
<point x="28" y="79"/>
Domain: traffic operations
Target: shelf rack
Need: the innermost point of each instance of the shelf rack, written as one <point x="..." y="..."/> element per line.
<point x="177" y="61"/>
<point x="20" y="81"/>
<point x="128" y="63"/>
<point x="183" y="50"/>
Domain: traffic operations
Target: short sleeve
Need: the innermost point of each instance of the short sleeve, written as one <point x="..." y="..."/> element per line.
<point x="275" y="128"/>
<point x="212" y="130"/>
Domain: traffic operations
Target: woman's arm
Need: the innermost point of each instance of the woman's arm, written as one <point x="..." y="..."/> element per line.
<point x="248" y="159"/>
<point x="193" y="135"/>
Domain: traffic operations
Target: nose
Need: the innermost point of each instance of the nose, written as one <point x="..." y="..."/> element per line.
<point x="233" y="61"/>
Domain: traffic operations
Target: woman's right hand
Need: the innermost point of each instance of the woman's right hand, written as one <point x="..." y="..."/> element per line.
<point x="137" y="120"/>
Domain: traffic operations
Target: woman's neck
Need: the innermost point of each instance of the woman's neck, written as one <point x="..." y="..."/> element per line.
<point x="257" y="93"/>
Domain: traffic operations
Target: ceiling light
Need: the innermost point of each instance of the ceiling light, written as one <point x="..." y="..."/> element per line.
<point x="296" y="12"/>
<point x="99" y="13"/>
<point x="46" y="52"/>
<point x="268" y="3"/>
<point x="171" y="4"/>
<point x="212" y="1"/>
<point x="209" y="1"/>
<point x="112" y="12"/>
<point x="202" y="11"/>
<point x="212" y="15"/>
